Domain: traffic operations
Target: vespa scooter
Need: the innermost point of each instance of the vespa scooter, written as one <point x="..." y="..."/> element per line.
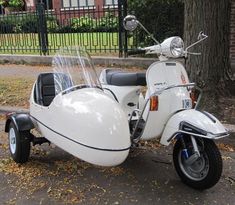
<point x="169" y="111"/>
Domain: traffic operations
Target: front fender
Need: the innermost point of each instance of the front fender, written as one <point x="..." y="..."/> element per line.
<point x="22" y="122"/>
<point x="193" y="122"/>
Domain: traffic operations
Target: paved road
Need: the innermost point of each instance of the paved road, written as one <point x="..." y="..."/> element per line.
<point x="146" y="177"/>
<point x="9" y="70"/>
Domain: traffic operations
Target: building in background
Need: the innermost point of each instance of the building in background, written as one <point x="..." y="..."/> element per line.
<point x="71" y="4"/>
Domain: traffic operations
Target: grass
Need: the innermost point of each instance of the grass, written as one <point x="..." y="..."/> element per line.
<point x="15" y="91"/>
<point x="29" y="42"/>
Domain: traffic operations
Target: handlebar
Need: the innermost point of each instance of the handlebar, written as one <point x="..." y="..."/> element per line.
<point x="136" y="52"/>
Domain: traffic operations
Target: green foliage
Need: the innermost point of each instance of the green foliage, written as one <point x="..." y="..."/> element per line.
<point x="16" y="3"/>
<point x="7" y="25"/>
<point x="163" y="18"/>
<point x="52" y="26"/>
<point x="3" y="3"/>
<point x="26" y="23"/>
<point x="82" y="24"/>
<point x="12" y="3"/>
<point x="106" y="23"/>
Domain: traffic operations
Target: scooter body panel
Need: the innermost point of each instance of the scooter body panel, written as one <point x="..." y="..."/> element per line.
<point x="193" y="122"/>
<point x="127" y="96"/>
<point x="159" y="75"/>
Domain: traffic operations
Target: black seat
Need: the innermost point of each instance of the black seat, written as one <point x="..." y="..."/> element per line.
<point x="120" y="78"/>
<point x="46" y="90"/>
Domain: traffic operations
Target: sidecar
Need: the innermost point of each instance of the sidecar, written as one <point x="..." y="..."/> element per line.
<point x="70" y="109"/>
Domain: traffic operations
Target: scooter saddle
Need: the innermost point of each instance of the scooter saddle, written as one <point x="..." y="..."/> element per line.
<point x="119" y="78"/>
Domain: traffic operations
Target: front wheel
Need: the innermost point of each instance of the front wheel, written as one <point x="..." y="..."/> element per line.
<point x="206" y="171"/>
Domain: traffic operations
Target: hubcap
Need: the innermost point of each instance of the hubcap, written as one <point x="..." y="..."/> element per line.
<point x="197" y="170"/>
<point x="12" y="140"/>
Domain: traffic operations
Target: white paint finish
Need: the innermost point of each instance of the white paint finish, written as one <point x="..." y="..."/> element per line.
<point x="87" y="116"/>
<point x="94" y="156"/>
<point x="158" y="76"/>
<point x="194" y="118"/>
<point x="125" y="95"/>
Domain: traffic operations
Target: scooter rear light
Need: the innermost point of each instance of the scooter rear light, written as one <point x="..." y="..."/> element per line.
<point x="154" y="103"/>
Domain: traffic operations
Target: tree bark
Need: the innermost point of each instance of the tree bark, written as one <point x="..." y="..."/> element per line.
<point x="211" y="70"/>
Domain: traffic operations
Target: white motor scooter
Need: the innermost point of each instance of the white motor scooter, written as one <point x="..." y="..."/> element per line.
<point x="168" y="110"/>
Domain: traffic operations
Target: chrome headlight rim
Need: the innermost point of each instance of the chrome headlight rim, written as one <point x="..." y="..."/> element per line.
<point x="177" y="47"/>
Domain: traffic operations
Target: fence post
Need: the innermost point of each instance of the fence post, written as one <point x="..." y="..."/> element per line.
<point x="125" y="42"/>
<point x="42" y="29"/>
<point x="120" y="28"/>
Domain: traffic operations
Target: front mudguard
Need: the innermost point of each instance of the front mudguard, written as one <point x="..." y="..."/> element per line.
<point x="193" y="122"/>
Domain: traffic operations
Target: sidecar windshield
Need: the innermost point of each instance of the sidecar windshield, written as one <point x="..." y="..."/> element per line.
<point x="73" y="69"/>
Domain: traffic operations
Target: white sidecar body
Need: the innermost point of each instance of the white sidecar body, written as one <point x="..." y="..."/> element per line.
<point x="71" y="110"/>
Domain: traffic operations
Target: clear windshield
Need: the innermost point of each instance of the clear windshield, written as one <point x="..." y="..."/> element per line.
<point x="74" y="69"/>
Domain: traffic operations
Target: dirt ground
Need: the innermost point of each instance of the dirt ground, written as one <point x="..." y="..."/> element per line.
<point x="53" y="176"/>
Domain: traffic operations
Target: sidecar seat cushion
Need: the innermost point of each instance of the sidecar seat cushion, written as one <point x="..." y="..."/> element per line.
<point x="46" y="88"/>
<point x="48" y="85"/>
<point x="119" y="78"/>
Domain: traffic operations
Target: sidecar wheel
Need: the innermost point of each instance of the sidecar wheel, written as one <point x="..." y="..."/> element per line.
<point x="19" y="144"/>
<point x="206" y="171"/>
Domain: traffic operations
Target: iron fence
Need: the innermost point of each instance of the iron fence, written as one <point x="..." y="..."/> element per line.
<point x="42" y="31"/>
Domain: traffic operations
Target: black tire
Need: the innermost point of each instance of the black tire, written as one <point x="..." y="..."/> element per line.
<point x="19" y="153"/>
<point x="212" y="165"/>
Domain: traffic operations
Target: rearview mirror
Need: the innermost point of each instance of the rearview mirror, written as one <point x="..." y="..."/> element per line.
<point x="130" y="23"/>
<point x="201" y="36"/>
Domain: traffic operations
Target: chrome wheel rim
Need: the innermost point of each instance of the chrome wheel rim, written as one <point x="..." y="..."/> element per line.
<point x="196" y="171"/>
<point x="12" y="140"/>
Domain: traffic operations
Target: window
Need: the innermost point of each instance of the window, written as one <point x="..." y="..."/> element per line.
<point x="47" y="4"/>
<point x="111" y="2"/>
<point x="77" y="3"/>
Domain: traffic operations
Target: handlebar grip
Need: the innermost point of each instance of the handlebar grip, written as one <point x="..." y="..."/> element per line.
<point x="136" y="52"/>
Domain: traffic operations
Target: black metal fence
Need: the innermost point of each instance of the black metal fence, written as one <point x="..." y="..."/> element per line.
<point x="99" y="30"/>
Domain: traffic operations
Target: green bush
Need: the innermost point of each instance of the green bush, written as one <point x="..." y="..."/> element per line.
<point x="162" y="18"/>
<point x="108" y="23"/>
<point x="82" y="24"/>
<point x="52" y="26"/>
<point x="6" y="25"/>
<point x="17" y="4"/>
<point x="26" y="23"/>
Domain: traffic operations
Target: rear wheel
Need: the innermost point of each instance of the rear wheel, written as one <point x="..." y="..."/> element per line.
<point x="19" y="144"/>
<point x="206" y="171"/>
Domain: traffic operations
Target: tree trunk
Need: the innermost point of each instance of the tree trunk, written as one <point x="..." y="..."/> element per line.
<point x="211" y="70"/>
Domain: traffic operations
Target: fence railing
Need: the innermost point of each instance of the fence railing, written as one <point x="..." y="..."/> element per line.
<point x="99" y="30"/>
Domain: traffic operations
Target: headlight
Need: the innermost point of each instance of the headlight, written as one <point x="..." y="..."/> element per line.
<point x="173" y="47"/>
<point x="177" y="47"/>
